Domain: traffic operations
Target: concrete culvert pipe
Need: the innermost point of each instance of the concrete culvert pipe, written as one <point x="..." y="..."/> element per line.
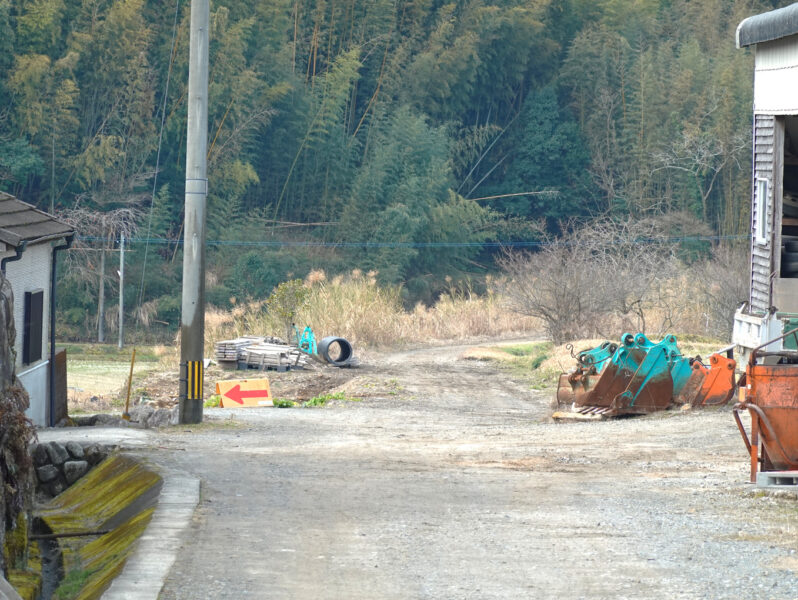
<point x="335" y="350"/>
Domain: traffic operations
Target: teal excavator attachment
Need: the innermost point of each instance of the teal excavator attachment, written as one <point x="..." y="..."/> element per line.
<point x="639" y="377"/>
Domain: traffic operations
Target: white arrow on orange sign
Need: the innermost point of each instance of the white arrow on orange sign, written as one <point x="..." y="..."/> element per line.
<point x="236" y="393"/>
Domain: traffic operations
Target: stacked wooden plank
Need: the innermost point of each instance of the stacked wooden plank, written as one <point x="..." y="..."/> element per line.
<point x="257" y="352"/>
<point x="274" y="356"/>
<point x="230" y="350"/>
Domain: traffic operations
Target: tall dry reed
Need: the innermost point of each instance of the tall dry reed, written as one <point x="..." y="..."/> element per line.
<point x="369" y="315"/>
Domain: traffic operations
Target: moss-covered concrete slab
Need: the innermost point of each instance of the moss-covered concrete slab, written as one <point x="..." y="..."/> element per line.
<point x="118" y="497"/>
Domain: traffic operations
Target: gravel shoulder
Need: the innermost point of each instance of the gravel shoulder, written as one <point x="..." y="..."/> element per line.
<point x="448" y="480"/>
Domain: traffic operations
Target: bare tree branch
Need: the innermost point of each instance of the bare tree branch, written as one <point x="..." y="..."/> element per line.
<point x="597" y="277"/>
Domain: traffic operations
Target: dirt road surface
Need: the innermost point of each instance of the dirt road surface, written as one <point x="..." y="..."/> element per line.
<point x="449" y="481"/>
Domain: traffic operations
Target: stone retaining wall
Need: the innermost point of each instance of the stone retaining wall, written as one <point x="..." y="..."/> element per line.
<point x="60" y="465"/>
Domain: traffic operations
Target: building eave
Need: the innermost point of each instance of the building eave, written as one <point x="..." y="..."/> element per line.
<point x="22" y="222"/>
<point x="768" y="26"/>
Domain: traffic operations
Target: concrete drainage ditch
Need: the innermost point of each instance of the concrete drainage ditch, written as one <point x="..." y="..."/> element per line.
<point x="92" y="505"/>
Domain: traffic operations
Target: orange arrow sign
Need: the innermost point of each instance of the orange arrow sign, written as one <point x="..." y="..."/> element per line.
<point x="244" y="392"/>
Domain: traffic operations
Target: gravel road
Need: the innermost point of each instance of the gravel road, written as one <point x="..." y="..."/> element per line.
<point x="455" y="484"/>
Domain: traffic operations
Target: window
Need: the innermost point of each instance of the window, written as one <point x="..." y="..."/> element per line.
<point x="761" y="229"/>
<point x="32" y="335"/>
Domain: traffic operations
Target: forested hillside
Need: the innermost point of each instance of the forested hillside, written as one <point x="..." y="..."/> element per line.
<point x="409" y="137"/>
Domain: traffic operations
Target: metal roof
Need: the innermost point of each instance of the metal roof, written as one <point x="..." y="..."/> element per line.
<point x="768" y="26"/>
<point x="23" y="222"/>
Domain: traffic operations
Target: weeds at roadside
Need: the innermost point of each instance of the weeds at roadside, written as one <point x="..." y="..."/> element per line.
<point x="214" y="401"/>
<point x="324" y="398"/>
<point x="282" y="403"/>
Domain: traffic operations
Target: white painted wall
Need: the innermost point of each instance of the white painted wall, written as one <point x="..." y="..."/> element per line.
<point x="776" y="77"/>
<point x="29" y="274"/>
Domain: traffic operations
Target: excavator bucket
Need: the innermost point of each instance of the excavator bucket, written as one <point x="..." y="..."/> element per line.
<point x="590" y="363"/>
<point x="573" y="386"/>
<point x="643" y="377"/>
<point x="636" y="381"/>
<point x="681" y="371"/>
<point x="711" y="385"/>
<point x="597" y="357"/>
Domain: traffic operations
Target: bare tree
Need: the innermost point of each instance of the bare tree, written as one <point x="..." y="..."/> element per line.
<point x="703" y="156"/>
<point x="604" y="149"/>
<point x="551" y="285"/>
<point x="103" y="229"/>
<point x="596" y="276"/>
<point x="723" y="283"/>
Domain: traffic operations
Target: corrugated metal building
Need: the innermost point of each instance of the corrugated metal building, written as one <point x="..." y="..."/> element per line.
<point x="774" y="224"/>
<point x="29" y="242"/>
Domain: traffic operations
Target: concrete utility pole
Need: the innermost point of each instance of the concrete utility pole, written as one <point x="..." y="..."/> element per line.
<point x="121" y="291"/>
<point x="192" y="318"/>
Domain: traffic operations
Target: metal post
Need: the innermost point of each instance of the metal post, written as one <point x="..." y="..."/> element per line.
<point x="192" y="318"/>
<point x="52" y="175"/>
<point x="101" y="299"/>
<point x="122" y="291"/>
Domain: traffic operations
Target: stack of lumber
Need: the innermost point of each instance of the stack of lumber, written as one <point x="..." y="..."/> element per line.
<point x="257" y="352"/>
<point x="230" y="350"/>
<point x="274" y="356"/>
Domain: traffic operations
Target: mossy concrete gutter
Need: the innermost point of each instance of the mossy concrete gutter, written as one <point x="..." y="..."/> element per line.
<point x="153" y="554"/>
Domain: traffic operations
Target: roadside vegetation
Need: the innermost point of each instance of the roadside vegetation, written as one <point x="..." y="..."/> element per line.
<point x="597" y="278"/>
<point x="523" y="361"/>
<point x="593" y="281"/>
<point x="325" y="398"/>
<point x="356" y="307"/>
<point x="214" y="401"/>
<point x="540" y="364"/>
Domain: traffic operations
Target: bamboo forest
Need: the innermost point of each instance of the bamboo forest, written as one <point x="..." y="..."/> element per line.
<point x="415" y="139"/>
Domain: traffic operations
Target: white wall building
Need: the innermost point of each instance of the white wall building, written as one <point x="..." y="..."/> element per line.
<point x="29" y="243"/>
<point x="773" y="298"/>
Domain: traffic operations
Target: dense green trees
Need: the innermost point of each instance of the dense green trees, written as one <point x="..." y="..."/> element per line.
<point x="548" y="156"/>
<point x="376" y="127"/>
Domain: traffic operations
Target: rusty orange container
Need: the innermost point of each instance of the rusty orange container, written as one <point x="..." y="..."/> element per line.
<point x="771" y="397"/>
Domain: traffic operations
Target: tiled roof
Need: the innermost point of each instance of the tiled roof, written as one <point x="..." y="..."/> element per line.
<point x="22" y="222"/>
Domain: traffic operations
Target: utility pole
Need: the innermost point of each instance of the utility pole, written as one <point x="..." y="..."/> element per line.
<point x="52" y="175"/>
<point x="101" y="299"/>
<point x="122" y="291"/>
<point x="192" y="317"/>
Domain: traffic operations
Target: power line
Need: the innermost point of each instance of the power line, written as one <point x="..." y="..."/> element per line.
<point x="160" y="141"/>
<point x="388" y="244"/>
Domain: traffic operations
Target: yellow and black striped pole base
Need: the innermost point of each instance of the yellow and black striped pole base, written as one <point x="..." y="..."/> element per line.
<point x="192" y="375"/>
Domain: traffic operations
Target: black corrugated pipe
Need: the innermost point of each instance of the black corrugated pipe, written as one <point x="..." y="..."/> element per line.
<point x="19" y="250"/>
<point x="342" y="357"/>
<point x="65" y="246"/>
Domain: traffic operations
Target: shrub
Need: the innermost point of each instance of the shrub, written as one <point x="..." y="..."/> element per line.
<point x="284" y="302"/>
<point x="596" y="278"/>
